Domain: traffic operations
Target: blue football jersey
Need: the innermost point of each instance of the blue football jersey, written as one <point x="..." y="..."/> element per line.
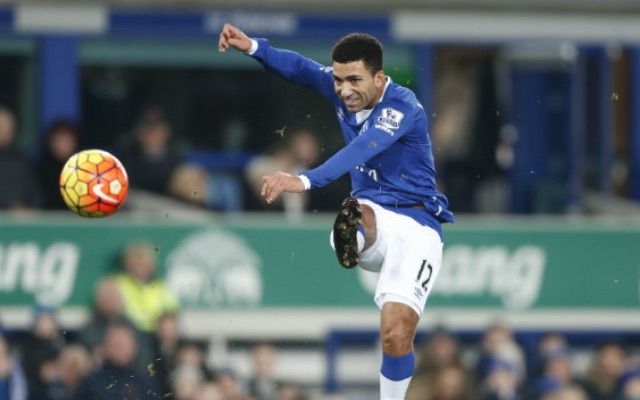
<point x="388" y="152"/>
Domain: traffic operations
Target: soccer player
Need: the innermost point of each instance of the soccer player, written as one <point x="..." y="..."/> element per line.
<point x="391" y="222"/>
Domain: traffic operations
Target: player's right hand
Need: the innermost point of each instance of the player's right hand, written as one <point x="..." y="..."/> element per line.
<point x="233" y="37"/>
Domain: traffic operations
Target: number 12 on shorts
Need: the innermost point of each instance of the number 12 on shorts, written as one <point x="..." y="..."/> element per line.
<point x="425" y="265"/>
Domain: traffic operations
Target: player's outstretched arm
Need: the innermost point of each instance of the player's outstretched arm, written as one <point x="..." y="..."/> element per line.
<point x="230" y="36"/>
<point x="288" y="64"/>
<point x="275" y="184"/>
<point x="392" y="123"/>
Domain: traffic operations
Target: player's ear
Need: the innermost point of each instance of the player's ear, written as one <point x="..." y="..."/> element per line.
<point x="379" y="79"/>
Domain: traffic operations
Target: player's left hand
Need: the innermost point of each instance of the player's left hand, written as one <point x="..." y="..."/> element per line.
<point x="273" y="185"/>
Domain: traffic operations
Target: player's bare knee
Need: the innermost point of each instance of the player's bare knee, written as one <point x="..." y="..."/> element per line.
<point x="369" y="224"/>
<point x="397" y="340"/>
<point x="398" y="327"/>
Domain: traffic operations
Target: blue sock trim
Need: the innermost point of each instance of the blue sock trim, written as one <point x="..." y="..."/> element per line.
<point x="398" y="368"/>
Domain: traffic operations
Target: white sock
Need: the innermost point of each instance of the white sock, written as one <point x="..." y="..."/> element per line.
<point x="360" y="239"/>
<point x="393" y="390"/>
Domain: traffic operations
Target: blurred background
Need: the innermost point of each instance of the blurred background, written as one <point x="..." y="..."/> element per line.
<point x="197" y="290"/>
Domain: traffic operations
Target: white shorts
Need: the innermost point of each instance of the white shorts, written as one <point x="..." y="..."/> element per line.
<point x="408" y="256"/>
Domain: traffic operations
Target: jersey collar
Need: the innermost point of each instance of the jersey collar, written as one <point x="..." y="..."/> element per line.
<point x="361" y="116"/>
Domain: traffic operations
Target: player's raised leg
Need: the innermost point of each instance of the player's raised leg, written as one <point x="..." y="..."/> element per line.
<point x="354" y="231"/>
<point x="397" y="330"/>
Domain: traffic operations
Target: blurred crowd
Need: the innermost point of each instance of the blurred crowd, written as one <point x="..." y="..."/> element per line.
<point x="48" y="364"/>
<point x="114" y="357"/>
<point x="155" y="164"/>
<point x="498" y="368"/>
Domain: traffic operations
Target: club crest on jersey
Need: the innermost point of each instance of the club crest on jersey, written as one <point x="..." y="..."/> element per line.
<point x="390" y="118"/>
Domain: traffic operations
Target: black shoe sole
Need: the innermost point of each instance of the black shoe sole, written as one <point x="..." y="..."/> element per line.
<point x="345" y="232"/>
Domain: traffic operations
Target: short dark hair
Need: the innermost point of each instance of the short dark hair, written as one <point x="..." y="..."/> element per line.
<point x="359" y="47"/>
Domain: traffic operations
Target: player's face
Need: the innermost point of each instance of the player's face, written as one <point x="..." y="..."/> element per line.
<point x="357" y="86"/>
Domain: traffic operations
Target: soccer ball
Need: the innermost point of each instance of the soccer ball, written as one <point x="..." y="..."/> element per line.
<point x="93" y="183"/>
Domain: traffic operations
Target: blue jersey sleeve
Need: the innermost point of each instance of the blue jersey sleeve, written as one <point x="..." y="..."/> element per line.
<point x="295" y="68"/>
<point x="389" y="124"/>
